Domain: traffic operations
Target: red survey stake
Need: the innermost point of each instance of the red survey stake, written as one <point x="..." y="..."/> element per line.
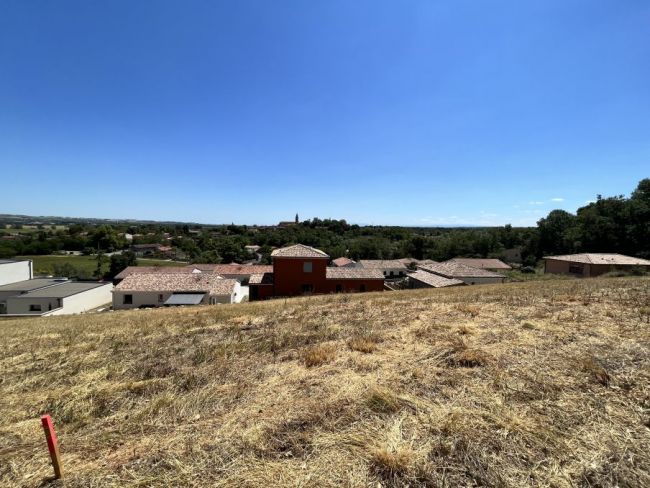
<point x="52" y="445"/>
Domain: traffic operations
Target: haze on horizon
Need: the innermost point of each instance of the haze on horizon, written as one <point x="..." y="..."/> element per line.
<point x="378" y="112"/>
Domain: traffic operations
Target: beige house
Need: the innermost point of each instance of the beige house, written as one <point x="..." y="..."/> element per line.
<point x="592" y="264"/>
<point x="159" y="289"/>
<point x="462" y="272"/>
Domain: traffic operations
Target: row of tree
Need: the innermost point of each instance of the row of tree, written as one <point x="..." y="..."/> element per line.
<point x="614" y="224"/>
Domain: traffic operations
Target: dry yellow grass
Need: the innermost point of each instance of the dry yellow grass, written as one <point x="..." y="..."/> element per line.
<point x="524" y="384"/>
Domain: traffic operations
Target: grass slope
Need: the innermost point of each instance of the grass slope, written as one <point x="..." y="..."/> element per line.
<point x="540" y="383"/>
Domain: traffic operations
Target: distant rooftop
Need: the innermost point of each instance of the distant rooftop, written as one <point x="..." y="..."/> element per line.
<point x="382" y="263"/>
<point x="177" y="282"/>
<point x="483" y="263"/>
<point x="298" y="251"/>
<point x="261" y="279"/>
<point x="434" y="280"/>
<point x="153" y="269"/>
<point x="342" y="261"/>
<point x="601" y="258"/>
<point x="453" y="269"/>
<point x="233" y="268"/>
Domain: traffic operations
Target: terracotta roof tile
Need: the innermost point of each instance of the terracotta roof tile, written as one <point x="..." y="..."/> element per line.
<point x="601" y="258"/>
<point x="343" y="261"/>
<point x="234" y="268"/>
<point x="382" y="264"/>
<point x="345" y="273"/>
<point x="152" y="269"/>
<point x="452" y="269"/>
<point x="298" y="251"/>
<point x="177" y="282"/>
<point x="261" y="279"/>
<point x="483" y="263"/>
<point x="434" y="280"/>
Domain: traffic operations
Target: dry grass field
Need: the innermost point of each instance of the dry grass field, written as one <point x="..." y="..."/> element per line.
<point x="525" y="384"/>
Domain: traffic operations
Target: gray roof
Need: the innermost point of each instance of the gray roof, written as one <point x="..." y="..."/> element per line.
<point x="29" y="285"/>
<point x="185" y="299"/>
<point x="8" y="261"/>
<point x="63" y="290"/>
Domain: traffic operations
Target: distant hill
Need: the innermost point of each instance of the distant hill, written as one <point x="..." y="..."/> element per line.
<point x="540" y="383"/>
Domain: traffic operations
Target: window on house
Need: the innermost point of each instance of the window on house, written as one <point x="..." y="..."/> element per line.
<point x="128" y="300"/>
<point x="573" y="269"/>
<point x="160" y="298"/>
<point x="362" y="287"/>
<point x="34" y="308"/>
<point x="306" y="267"/>
<point x="307" y="288"/>
<point x="339" y="288"/>
<point x="392" y="273"/>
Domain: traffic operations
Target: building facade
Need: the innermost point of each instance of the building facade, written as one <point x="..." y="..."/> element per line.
<point x="12" y="271"/>
<point x="302" y="270"/>
<point x="592" y="264"/>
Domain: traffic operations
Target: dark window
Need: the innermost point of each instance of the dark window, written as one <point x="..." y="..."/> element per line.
<point x="339" y="288"/>
<point x="362" y="287"/>
<point x="574" y="269"/>
<point x="307" y="288"/>
<point x="160" y="298"/>
<point x="34" y="308"/>
<point x="306" y="267"/>
<point x="128" y="300"/>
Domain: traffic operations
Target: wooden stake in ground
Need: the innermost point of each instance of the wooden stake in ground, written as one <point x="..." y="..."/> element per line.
<point x="52" y="445"/>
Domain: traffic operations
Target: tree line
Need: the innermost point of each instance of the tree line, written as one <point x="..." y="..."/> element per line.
<point x="612" y="224"/>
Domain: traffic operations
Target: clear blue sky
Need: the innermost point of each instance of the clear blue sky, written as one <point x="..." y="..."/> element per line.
<point x="388" y="112"/>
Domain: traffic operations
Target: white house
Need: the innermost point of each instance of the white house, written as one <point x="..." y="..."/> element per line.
<point x="12" y="271"/>
<point x="59" y="298"/>
<point x="159" y="289"/>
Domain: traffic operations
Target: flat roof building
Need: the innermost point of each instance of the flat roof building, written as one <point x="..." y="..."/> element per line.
<point x="12" y="271"/>
<point x="592" y="264"/>
<point x="59" y="298"/>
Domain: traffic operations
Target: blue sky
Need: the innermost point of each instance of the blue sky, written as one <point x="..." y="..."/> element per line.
<point x="386" y="112"/>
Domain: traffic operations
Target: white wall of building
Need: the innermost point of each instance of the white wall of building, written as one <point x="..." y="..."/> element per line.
<point x="158" y="298"/>
<point x="77" y="303"/>
<point x="87" y="300"/>
<point x="14" y="272"/>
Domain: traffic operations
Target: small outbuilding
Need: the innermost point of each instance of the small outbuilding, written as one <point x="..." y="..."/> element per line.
<point x="592" y="264"/>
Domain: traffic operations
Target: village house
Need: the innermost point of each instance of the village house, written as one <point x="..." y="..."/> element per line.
<point x="144" y="250"/>
<point x="459" y="271"/>
<point x="140" y="290"/>
<point x="390" y="268"/>
<point x="12" y="271"/>
<point x="489" y="264"/>
<point x="592" y="264"/>
<point x="423" y="279"/>
<point x="412" y="263"/>
<point x="302" y="270"/>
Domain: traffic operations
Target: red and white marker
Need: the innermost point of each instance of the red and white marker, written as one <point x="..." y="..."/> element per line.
<point x="52" y="445"/>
